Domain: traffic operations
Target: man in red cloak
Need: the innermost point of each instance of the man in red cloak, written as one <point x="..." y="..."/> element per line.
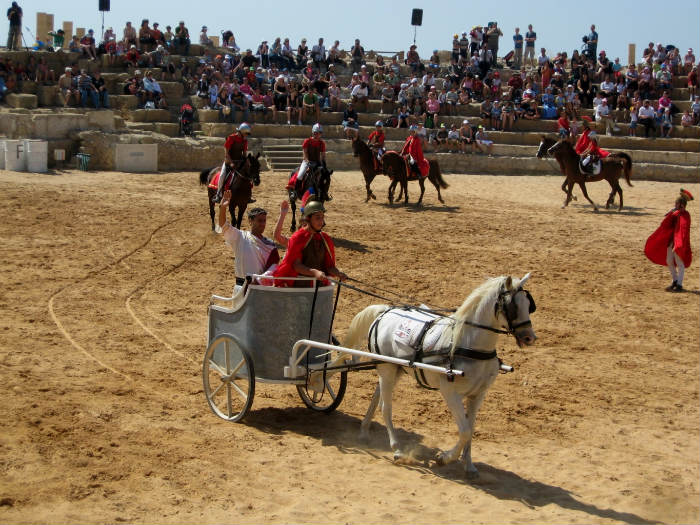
<point x="669" y="245"/>
<point x="310" y="251"/>
<point x="414" y="150"/>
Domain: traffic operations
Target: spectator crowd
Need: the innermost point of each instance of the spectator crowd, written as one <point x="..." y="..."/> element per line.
<point x="300" y="82"/>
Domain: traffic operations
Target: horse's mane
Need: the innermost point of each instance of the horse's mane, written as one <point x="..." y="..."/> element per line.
<point x="472" y="308"/>
<point x="362" y="144"/>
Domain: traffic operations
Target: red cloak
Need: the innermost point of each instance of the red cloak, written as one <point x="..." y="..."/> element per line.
<point x="297" y="243"/>
<point x="414" y="148"/>
<point x="675" y="228"/>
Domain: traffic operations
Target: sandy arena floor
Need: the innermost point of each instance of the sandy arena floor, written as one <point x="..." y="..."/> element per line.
<point x="105" y="283"/>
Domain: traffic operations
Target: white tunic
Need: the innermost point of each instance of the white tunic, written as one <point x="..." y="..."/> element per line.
<point x="251" y="253"/>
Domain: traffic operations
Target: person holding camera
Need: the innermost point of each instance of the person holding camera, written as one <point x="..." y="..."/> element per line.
<point x="14" y="15"/>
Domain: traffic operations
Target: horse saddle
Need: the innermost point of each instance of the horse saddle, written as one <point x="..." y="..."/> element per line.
<point x="214" y="183"/>
<point x="412" y="170"/>
<point x="589" y="165"/>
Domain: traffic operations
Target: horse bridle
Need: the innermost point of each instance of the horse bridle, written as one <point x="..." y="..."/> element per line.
<point x="510" y="310"/>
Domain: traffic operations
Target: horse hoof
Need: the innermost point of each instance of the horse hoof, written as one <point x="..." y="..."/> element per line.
<point x="472" y="474"/>
<point x="374" y="197"/>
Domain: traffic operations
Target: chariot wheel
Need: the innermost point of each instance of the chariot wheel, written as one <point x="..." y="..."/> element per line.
<point x="330" y="397"/>
<point x="229" y="378"/>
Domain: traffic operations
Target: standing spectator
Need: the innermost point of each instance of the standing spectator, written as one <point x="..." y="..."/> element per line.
<point x="666" y="123"/>
<point x="146" y="40"/>
<point x="633" y="122"/>
<point x="602" y="115"/>
<point x="302" y="52"/>
<point x="182" y="37"/>
<point x="693" y="82"/>
<point x="492" y="35"/>
<point x="318" y="54"/>
<point x="530" y="38"/>
<point x="129" y="37"/>
<point x="357" y="52"/>
<point x="688" y="61"/>
<point x="518" y="48"/>
<point x="168" y="37"/>
<point x="413" y="60"/>
<point x="592" y="43"/>
<point x="14" y="15"/>
<point x="476" y="38"/>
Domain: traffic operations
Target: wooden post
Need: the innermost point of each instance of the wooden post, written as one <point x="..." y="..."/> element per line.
<point x="80" y="31"/>
<point x="215" y="40"/>
<point x="631" y="52"/>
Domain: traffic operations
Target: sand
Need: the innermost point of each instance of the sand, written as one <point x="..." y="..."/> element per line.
<point x="105" y="284"/>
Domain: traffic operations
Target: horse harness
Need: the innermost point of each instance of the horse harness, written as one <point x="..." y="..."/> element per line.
<point x="504" y="305"/>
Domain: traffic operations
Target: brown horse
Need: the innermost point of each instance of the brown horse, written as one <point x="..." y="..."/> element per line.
<point x="396" y="166"/>
<point x="246" y="172"/>
<point x="612" y="168"/>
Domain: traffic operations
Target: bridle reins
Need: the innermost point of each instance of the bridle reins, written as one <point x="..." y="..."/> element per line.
<point x="501" y="306"/>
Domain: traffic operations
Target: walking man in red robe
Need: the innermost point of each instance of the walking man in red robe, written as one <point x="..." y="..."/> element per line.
<point x="669" y="245"/>
<point x="414" y="151"/>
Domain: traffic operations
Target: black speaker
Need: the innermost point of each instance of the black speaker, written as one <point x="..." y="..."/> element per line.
<point x="104" y="5"/>
<point x="417" y="17"/>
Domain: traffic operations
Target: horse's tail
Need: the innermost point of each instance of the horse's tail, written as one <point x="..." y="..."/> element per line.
<point x="438" y="175"/>
<point x="359" y="327"/>
<point x="204" y="176"/>
<point x="627" y="165"/>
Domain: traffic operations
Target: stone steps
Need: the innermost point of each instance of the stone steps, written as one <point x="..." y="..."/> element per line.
<point x="282" y="156"/>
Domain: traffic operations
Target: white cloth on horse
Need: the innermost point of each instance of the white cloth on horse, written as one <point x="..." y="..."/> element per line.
<point x="251" y="253"/>
<point x="302" y="170"/>
<point x="409" y="328"/>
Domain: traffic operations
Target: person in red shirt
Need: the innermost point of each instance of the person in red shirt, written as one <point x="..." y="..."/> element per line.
<point x="236" y="147"/>
<point x="590" y="157"/>
<point x="376" y="140"/>
<point x="669" y="245"/>
<point x="314" y="151"/>
<point x="564" y="125"/>
<point x="310" y="252"/>
<point x="583" y="140"/>
<point x="414" y="151"/>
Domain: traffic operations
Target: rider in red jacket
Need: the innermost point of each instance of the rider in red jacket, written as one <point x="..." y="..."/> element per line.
<point x="413" y="149"/>
<point x="236" y="147"/>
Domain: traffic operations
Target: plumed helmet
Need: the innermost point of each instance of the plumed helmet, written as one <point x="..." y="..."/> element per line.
<point x="379" y="124"/>
<point x="317" y="128"/>
<point x="312" y="207"/>
<point x="245" y="128"/>
<point x="686" y="195"/>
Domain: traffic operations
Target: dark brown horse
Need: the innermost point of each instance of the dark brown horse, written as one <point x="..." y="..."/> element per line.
<point x="368" y="165"/>
<point x="396" y="167"/>
<point x="612" y="168"/>
<point x="246" y="172"/>
<point x="317" y="180"/>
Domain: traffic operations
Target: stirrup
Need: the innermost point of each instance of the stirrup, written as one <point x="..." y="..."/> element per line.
<point x="217" y="198"/>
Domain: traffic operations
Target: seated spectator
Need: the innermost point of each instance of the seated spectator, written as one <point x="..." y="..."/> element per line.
<point x="204" y="39"/>
<point x="666" y="123"/>
<point x="239" y="104"/>
<point x="413" y="60"/>
<point x="87" y="45"/>
<point x="67" y="90"/>
<point x="74" y="45"/>
<point x="229" y="41"/>
<point x="432" y="107"/>
<point x="132" y="57"/>
<point x="663" y="78"/>
<point x="695" y="109"/>
<point x="647" y="118"/>
<point x="293" y="104"/>
<point x="464" y="98"/>
<point x="414" y="93"/>
<point x="351" y="124"/>
<point x="168" y="38"/>
<point x="154" y="93"/>
<point x="334" y="96"/>
<point x="434" y="62"/>
<point x="318" y="54"/>
<point x="102" y="94"/>
<point x="496" y="113"/>
<point x="451" y="101"/>
<point x="378" y="81"/>
<point x="302" y="56"/>
<point x="287" y="55"/>
<point x="58" y="39"/>
<point x="532" y="113"/>
<point x="603" y="116"/>
<point x="43" y="73"/>
<point x="481" y="140"/>
<point x="388" y="98"/>
<point x="440" y="138"/>
<point x="87" y="89"/>
<point x="310" y="105"/>
<point x="688" y="61"/>
<point x="360" y="96"/>
<point x="334" y="54"/>
<point x="403" y="117"/>
<point x="563" y="125"/>
<point x="466" y="137"/>
<point x="182" y="39"/>
<point x="453" y="141"/>
<point x="157" y="35"/>
<point x="686" y="119"/>
<point x="485" y="110"/>
<point x="507" y="115"/>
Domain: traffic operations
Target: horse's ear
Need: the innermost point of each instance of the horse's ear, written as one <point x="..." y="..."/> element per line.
<point x="524" y="279"/>
<point x="509" y="283"/>
<point x="258" y="155"/>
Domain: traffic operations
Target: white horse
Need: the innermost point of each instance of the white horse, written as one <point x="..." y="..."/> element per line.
<point x="465" y="340"/>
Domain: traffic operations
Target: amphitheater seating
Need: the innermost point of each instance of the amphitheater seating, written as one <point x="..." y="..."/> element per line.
<point x="514" y="151"/>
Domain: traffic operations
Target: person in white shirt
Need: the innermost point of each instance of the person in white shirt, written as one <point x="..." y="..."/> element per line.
<point x="542" y="58"/>
<point x="254" y="253"/>
<point x="318" y="53"/>
<point x="204" y="38"/>
<point x="360" y="95"/>
<point x="647" y="118"/>
<point x="602" y="114"/>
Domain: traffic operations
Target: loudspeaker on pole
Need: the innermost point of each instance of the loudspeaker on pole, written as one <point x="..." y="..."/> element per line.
<point x="104" y="5"/>
<point x="417" y="17"/>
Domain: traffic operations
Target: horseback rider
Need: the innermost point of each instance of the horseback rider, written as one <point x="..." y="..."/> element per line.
<point x="376" y="140"/>
<point x="590" y="157"/>
<point x="413" y="151"/>
<point x="236" y="147"/>
<point x="583" y="140"/>
<point x="314" y="151"/>
<point x="253" y="252"/>
<point x="310" y="251"/>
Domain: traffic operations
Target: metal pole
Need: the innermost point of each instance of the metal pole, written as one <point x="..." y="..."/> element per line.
<point x="414" y="35"/>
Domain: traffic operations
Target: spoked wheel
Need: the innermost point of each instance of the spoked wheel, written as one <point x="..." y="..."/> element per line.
<point x="229" y="378"/>
<point x="328" y="399"/>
